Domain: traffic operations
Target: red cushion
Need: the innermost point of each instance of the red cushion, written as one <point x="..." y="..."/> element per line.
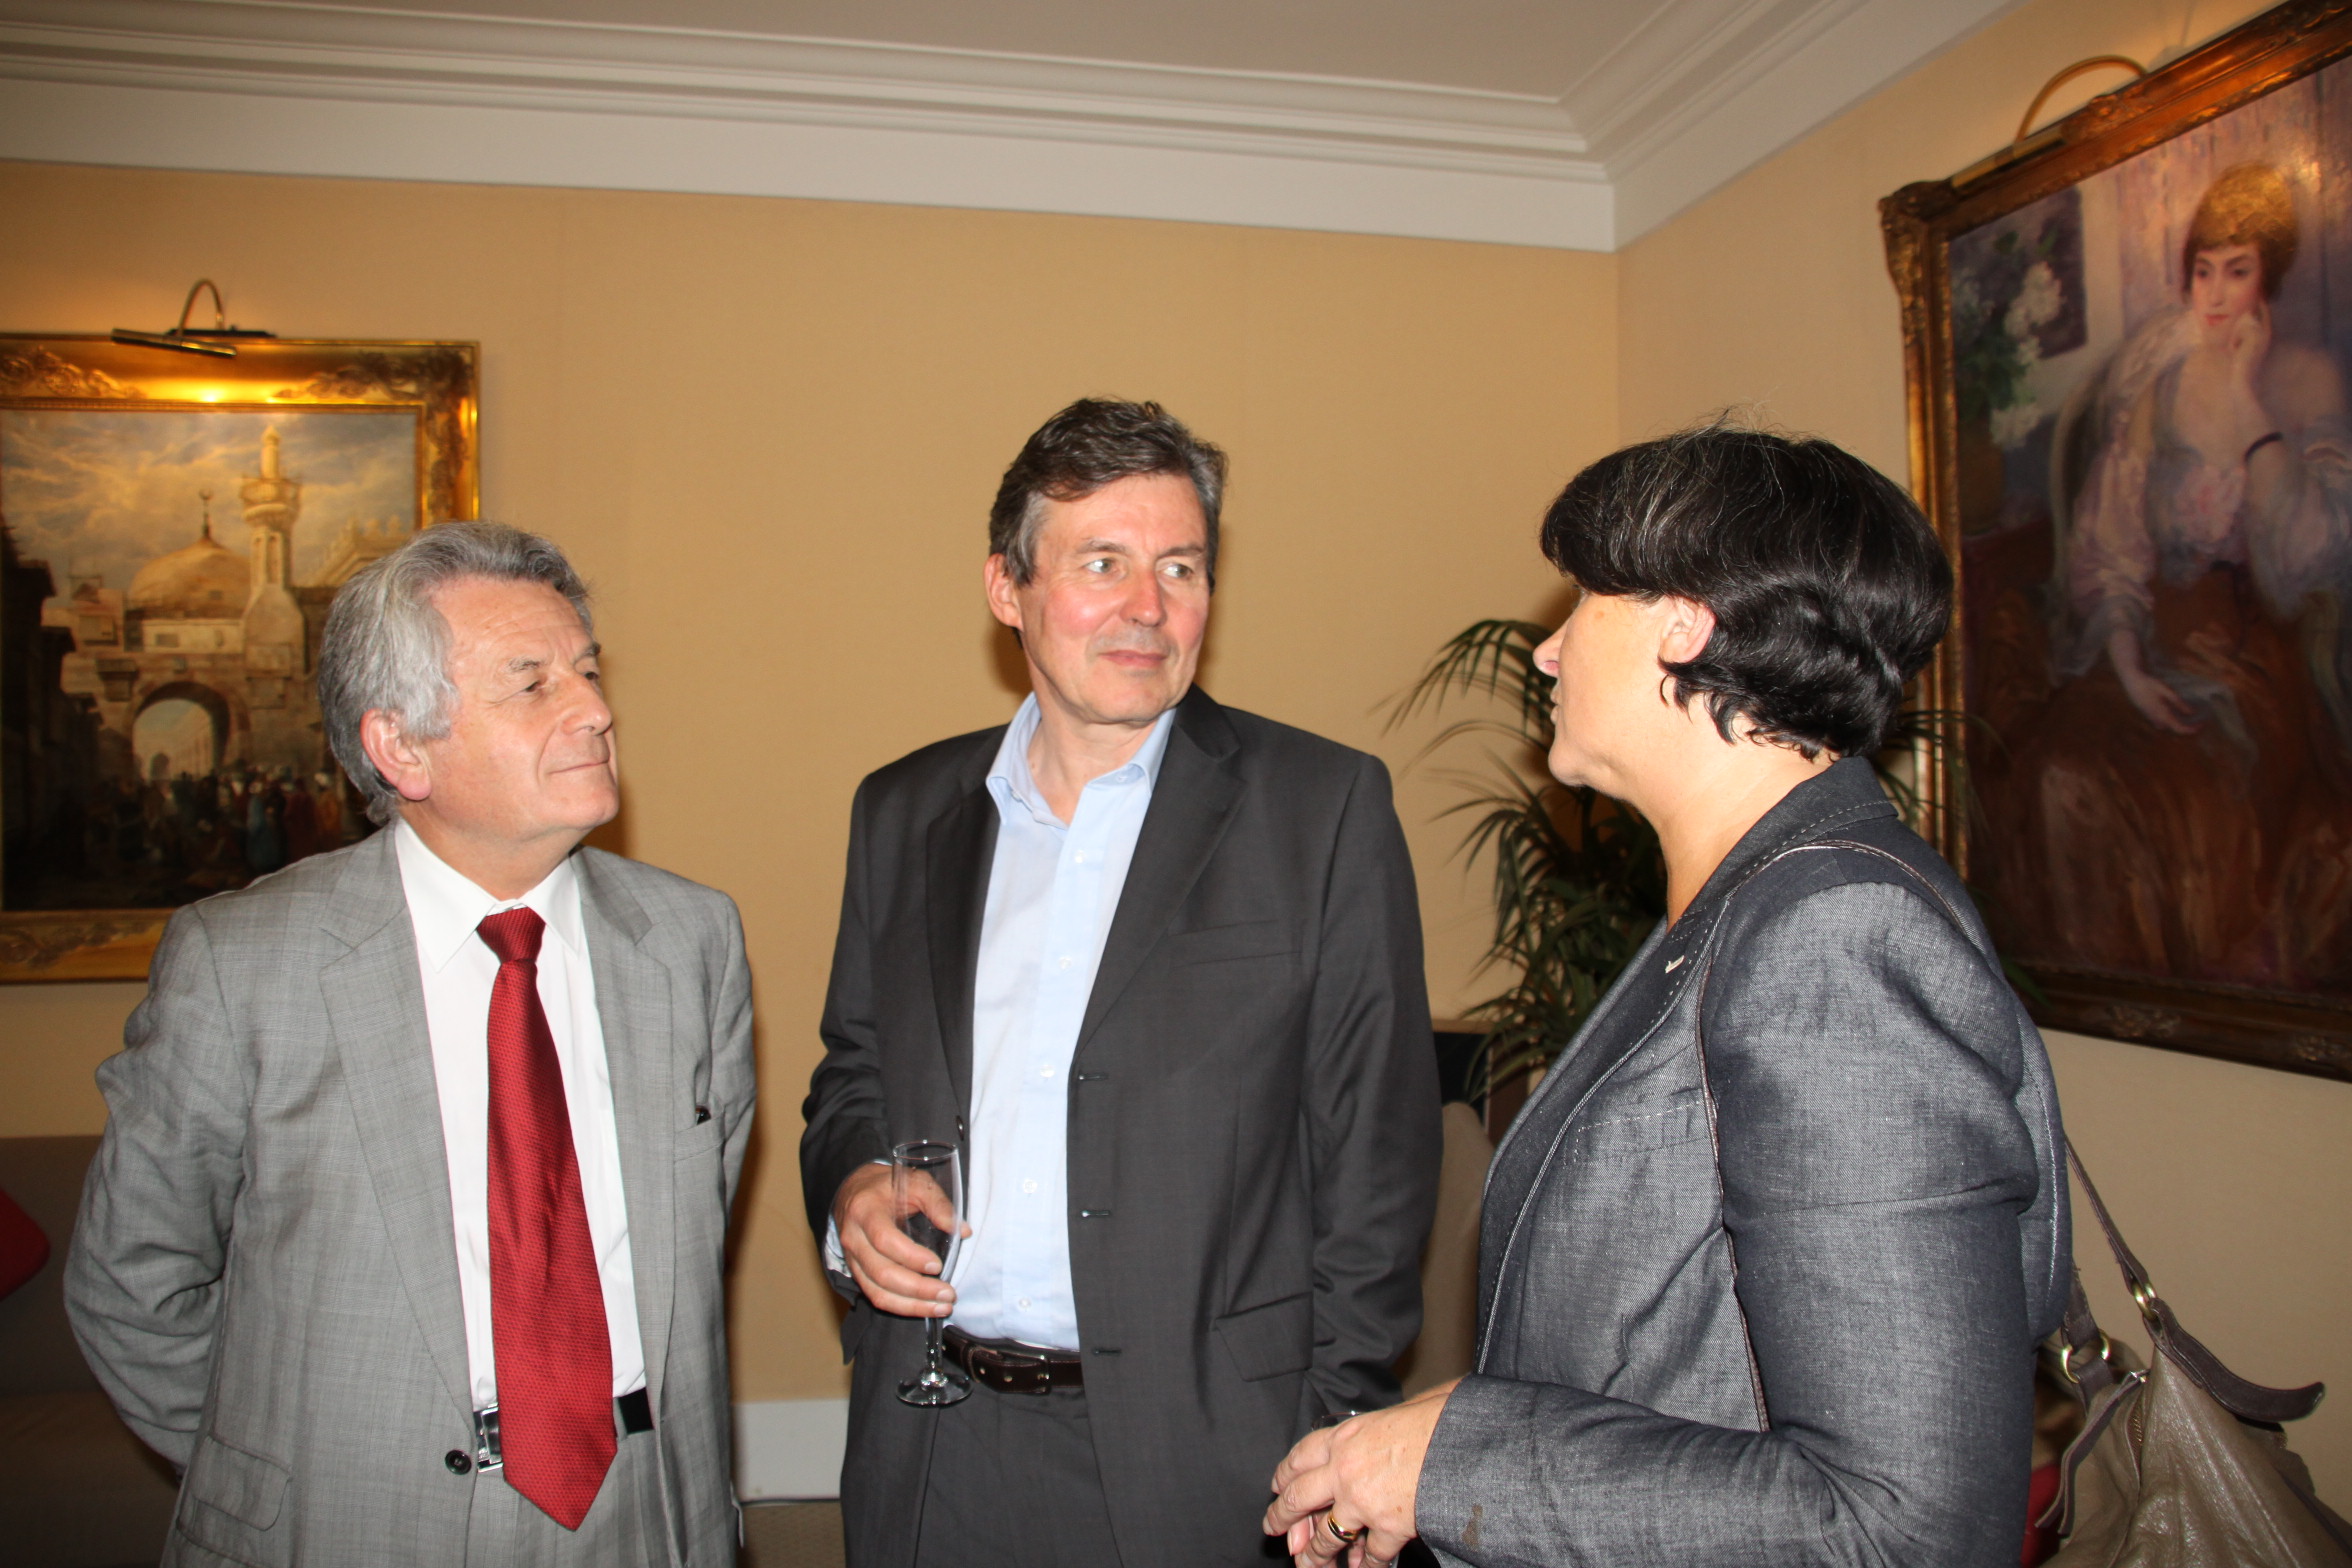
<point x="23" y="1247"/>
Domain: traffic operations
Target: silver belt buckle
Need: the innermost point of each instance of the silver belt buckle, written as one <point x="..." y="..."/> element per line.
<point x="486" y="1452"/>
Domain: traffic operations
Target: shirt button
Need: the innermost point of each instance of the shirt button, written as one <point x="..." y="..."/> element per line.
<point x="1065" y="963"/>
<point x="1028" y="1186"/>
<point x="1045" y="1072"/>
<point x="1079" y="858"/>
<point x="1023" y="1303"/>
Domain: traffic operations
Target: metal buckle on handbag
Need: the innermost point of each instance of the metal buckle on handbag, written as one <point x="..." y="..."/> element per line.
<point x="2073" y="1370"/>
<point x="1014" y="1371"/>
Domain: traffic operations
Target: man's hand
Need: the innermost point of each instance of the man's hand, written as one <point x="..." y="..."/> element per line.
<point x="897" y="1273"/>
<point x="1364" y="1473"/>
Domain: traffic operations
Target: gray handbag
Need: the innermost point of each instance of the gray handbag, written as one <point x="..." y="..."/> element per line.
<point x="2180" y="1464"/>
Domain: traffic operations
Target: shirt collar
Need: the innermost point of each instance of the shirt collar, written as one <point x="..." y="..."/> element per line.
<point x="445" y="905"/>
<point x="1011" y="782"/>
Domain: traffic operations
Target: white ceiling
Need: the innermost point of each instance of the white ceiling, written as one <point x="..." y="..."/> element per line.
<point x="1578" y="123"/>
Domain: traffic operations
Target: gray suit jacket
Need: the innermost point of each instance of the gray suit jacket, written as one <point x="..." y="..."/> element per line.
<point x="1820" y="1349"/>
<point x="264" y="1275"/>
<point x="1253" y="1127"/>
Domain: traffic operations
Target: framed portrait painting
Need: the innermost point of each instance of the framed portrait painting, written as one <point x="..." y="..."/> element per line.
<point x="2130" y="351"/>
<point x="172" y="530"/>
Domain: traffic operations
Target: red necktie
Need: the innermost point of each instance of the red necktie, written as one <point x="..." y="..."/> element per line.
<point x="555" y="1400"/>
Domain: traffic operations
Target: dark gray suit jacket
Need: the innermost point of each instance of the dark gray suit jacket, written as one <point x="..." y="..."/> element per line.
<point x="1825" y="1354"/>
<point x="1253" y="1125"/>
<point x="264" y="1274"/>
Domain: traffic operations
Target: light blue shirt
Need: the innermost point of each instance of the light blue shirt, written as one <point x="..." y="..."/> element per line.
<point x="1052" y="891"/>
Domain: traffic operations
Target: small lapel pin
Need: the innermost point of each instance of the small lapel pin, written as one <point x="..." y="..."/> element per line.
<point x="1673" y="964"/>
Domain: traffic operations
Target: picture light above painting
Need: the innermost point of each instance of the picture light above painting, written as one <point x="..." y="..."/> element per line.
<point x="172" y="530"/>
<point x="2128" y="361"/>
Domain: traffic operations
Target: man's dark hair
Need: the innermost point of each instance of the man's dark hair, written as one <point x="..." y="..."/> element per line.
<point x="1829" y="588"/>
<point x="1092" y="443"/>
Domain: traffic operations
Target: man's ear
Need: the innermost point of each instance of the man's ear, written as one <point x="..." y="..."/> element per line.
<point x="1686" y="626"/>
<point x="401" y="760"/>
<point x="1004" y="601"/>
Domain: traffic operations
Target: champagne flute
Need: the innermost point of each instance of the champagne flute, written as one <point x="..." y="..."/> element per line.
<point x="919" y="1172"/>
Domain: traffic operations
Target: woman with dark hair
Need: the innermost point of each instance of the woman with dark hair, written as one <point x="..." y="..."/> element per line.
<point x="1765" y="1259"/>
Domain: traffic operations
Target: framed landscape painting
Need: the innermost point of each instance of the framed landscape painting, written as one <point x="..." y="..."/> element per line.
<point x="172" y="530"/>
<point x="2129" y="358"/>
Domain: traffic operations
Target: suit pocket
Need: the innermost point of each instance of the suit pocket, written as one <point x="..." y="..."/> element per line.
<point x="230" y="1502"/>
<point x="1220" y="944"/>
<point x="701" y="1138"/>
<point x="1631" y="1131"/>
<point x="1270" y="1340"/>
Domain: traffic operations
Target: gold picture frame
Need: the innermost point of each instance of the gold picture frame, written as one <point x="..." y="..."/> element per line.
<point x="2126" y="343"/>
<point x="172" y="528"/>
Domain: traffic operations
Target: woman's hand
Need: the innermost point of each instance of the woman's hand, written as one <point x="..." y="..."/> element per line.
<point x="1364" y="1473"/>
<point x="2151" y="694"/>
<point x="2249" y="345"/>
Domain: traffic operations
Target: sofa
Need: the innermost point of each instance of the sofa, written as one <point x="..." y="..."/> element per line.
<point x="77" y="1490"/>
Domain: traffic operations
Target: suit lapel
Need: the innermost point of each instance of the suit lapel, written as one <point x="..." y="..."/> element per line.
<point x="961" y="851"/>
<point x="375" y="1004"/>
<point x="1192" y="801"/>
<point x="633" y="1007"/>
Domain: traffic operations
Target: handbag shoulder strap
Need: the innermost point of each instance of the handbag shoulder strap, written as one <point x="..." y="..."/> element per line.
<point x="2248" y="1401"/>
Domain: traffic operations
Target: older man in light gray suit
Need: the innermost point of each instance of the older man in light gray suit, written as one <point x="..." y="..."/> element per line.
<point x="405" y="1239"/>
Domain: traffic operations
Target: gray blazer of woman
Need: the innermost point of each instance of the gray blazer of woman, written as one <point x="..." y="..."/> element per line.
<point x="1773" y="1301"/>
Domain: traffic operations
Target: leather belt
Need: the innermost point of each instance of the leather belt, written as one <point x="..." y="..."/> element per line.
<point x="1014" y="1369"/>
<point x="632" y="1414"/>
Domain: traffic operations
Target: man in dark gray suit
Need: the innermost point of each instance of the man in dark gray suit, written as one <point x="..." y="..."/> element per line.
<point x="1156" y="965"/>
<point x="404" y="1241"/>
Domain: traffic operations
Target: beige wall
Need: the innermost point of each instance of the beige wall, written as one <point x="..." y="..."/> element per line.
<point x="769" y="431"/>
<point x="2232" y="1182"/>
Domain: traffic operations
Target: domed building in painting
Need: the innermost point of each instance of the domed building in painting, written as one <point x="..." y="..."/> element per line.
<point x="205" y="662"/>
<point x="202" y="581"/>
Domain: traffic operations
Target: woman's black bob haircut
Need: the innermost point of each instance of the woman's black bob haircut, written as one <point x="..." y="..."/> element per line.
<point x="1828" y="586"/>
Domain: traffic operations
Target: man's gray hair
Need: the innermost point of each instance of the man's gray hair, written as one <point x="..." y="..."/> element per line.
<point x="386" y="644"/>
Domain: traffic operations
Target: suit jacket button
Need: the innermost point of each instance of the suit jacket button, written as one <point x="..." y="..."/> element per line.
<point x="457" y="1461"/>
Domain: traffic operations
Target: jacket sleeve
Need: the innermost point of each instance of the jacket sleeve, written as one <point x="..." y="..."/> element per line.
<point x="847" y="1123"/>
<point x="1874" y="1168"/>
<point x="143" y="1282"/>
<point x="1371" y="1107"/>
<point x="734" y="1061"/>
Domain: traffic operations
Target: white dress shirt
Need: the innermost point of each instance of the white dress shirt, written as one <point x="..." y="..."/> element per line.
<point x="458" y="969"/>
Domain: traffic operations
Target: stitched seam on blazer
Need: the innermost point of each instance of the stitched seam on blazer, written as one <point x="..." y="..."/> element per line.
<point x="1983" y="950"/>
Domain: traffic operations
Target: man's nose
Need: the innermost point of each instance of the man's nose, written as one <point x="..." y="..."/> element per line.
<point x="589" y="709"/>
<point x="1147" y="602"/>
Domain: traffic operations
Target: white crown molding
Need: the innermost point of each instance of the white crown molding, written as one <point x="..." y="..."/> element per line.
<point x="1834" y="54"/>
<point x="1683" y="58"/>
<point x="294" y="87"/>
<point x="118" y="80"/>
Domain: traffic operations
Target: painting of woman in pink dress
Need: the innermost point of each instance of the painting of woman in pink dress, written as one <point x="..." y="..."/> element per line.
<point x="2177" y="782"/>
